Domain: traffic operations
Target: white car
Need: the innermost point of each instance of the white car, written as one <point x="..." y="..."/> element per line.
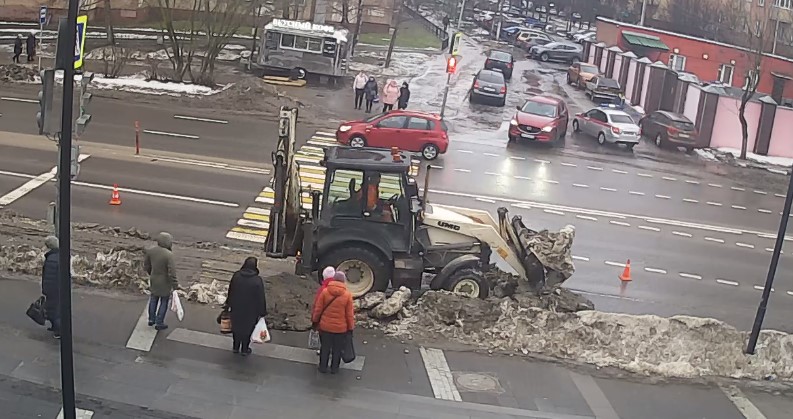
<point x="581" y="37"/>
<point x="608" y="126"/>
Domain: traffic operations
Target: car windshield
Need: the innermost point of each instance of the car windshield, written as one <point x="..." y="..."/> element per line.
<point x="372" y="118"/>
<point x="609" y="83"/>
<point x="683" y="125"/>
<point x="552" y="44"/>
<point x="621" y="119"/>
<point x="539" y="108"/>
<point x="500" y="56"/>
<point x="491" y="77"/>
<point x="585" y="68"/>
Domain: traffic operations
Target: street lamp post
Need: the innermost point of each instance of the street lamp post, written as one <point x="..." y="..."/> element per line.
<point x="769" y="280"/>
<point x="644" y="10"/>
<point x="460" y="18"/>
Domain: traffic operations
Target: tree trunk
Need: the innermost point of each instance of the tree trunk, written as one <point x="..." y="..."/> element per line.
<point x="391" y="43"/>
<point x="358" y="22"/>
<point x="111" y="38"/>
<point x="744" y="126"/>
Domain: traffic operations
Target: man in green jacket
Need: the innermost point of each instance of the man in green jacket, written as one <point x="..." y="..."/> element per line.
<point x="160" y="265"/>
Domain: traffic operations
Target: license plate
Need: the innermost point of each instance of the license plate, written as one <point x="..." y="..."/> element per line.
<point x="683" y="135"/>
<point x="489" y="89"/>
<point x="527" y="136"/>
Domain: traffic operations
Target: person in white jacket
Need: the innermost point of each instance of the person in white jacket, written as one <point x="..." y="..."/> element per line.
<point x="358" y="85"/>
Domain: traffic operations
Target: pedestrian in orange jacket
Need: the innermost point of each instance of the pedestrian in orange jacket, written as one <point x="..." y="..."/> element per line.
<point x="333" y="313"/>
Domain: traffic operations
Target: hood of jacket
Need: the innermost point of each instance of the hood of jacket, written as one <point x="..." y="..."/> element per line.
<point x="164" y="240"/>
<point x="336" y="288"/>
<point x="248" y="272"/>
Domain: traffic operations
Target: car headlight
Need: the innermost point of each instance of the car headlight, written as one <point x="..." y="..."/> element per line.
<point x="547" y="129"/>
<point x="514" y="122"/>
<point x="345" y="128"/>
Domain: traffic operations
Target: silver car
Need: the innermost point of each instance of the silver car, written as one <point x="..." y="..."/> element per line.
<point x="608" y="126"/>
<point x="489" y="86"/>
<point x="557" y="51"/>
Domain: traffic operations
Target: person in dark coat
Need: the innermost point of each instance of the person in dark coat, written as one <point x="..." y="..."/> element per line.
<point x="17" y="49"/>
<point x="247" y="303"/>
<point x="30" y="44"/>
<point x="160" y="265"/>
<point x="446" y="22"/>
<point x="50" y="286"/>
<point x="370" y="91"/>
<point x="404" y="96"/>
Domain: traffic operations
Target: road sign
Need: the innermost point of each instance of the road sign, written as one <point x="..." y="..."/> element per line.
<point x="456" y="43"/>
<point x="42" y="15"/>
<point x="79" y="43"/>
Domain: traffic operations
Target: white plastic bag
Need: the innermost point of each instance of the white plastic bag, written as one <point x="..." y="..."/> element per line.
<point x="176" y="306"/>
<point x="313" y="339"/>
<point x="260" y="333"/>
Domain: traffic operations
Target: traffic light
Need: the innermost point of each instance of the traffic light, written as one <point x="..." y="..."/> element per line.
<point x="451" y="64"/>
<point x="84" y="117"/>
<point x="45" y="114"/>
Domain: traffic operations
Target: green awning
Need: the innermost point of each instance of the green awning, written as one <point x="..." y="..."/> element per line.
<point x="645" y="41"/>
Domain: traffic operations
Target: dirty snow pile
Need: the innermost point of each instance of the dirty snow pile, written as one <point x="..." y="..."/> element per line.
<point x="13" y="73"/>
<point x="679" y="346"/>
<point x="403" y="64"/>
<point x="780" y="165"/>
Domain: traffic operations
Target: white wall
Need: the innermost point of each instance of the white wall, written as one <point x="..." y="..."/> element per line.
<point x="692" y="99"/>
<point x="631" y="82"/>
<point x="617" y="67"/>
<point x="603" y="61"/>
<point x="645" y="86"/>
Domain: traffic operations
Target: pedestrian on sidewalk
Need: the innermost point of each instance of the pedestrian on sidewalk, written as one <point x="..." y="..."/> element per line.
<point x="446" y="23"/>
<point x="17" y="48"/>
<point x="404" y="96"/>
<point x="390" y="95"/>
<point x="30" y="44"/>
<point x="334" y="317"/>
<point x="328" y="274"/>
<point x="160" y="266"/>
<point x="358" y="85"/>
<point x="50" y="286"/>
<point x="370" y="91"/>
<point x="247" y="303"/>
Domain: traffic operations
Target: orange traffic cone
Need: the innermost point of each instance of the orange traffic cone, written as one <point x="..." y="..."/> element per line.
<point x="626" y="273"/>
<point x="115" y="198"/>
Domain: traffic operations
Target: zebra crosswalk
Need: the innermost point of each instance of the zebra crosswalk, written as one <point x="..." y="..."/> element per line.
<point x="255" y="221"/>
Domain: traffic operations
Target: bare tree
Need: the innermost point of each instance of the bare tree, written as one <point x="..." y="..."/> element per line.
<point x="693" y="17"/>
<point x="221" y="20"/>
<point x="396" y="21"/>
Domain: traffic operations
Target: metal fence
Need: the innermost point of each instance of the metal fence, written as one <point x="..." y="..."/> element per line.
<point x="436" y="30"/>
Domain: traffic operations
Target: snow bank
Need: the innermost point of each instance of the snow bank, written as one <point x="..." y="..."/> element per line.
<point x="679" y="346"/>
<point x="403" y="64"/>
<point x="769" y="160"/>
<point x="138" y="83"/>
<point x="779" y="165"/>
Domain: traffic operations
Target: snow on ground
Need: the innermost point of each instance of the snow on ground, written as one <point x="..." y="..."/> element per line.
<point x="779" y="165"/>
<point x="403" y="64"/>
<point x="139" y="84"/>
<point x="228" y="53"/>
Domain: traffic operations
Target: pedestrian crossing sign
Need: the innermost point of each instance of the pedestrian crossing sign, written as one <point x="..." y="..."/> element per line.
<point x="79" y="44"/>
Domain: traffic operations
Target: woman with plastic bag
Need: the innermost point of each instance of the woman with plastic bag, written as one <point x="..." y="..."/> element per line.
<point x="335" y="320"/>
<point x="247" y="304"/>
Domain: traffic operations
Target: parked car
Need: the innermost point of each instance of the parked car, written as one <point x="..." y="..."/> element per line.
<point x="531" y="37"/>
<point x="542" y="118"/>
<point x="586" y="36"/>
<point x="557" y="51"/>
<point x="419" y="132"/>
<point x="667" y="128"/>
<point x="608" y="126"/>
<point x="580" y="73"/>
<point x="489" y="86"/>
<point x="500" y="61"/>
<point x="603" y="89"/>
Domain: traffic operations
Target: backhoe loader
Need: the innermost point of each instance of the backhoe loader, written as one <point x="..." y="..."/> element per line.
<point x="370" y="220"/>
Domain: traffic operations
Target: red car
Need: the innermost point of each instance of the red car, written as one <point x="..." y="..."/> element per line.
<point x="409" y="130"/>
<point x="542" y="118"/>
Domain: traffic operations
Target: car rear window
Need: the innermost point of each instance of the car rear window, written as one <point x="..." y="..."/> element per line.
<point x="683" y="125"/>
<point x="539" y="108"/>
<point x="609" y="83"/>
<point x="621" y="119"/>
<point x="500" y="56"/>
<point x="589" y="69"/>
<point x="491" y="77"/>
<point x="444" y="127"/>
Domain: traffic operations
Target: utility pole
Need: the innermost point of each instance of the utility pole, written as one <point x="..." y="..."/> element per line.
<point x="460" y="18"/>
<point x="644" y="11"/>
<point x="769" y="280"/>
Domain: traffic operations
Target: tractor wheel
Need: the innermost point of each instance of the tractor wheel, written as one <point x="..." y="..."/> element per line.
<point x="468" y="282"/>
<point x="366" y="269"/>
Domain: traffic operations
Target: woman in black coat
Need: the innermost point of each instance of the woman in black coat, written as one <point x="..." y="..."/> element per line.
<point x="247" y="304"/>
<point x="370" y="91"/>
<point x="404" y="96"/>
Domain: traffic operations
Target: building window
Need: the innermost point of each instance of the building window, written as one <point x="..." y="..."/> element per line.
<point x="761" y="3"/>
<point x="725" y="74"/>
<point x="302" y="43"/>
<point x="785" y="4"/>
<point x="677" y="62"/>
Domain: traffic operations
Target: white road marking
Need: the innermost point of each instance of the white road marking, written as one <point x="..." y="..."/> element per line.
<point x="760" y="192"/>
<point x="644" y="175"/>
<point x="439" y="374"/>
<point x="244" y="222"/>
<point x="789" y="293"/>
<point x="581" y="258"/>
<point x="432" y="166"/>
<point x="692" y="182"/>
<point x="586" y="217"/>
<point x="160" y="195"/>
<point x="608" y="189"/>
<point x="743" y="404"/>
<point x="194" y="118"/>
<point x="735" y="188"/>
<point x="779" y="195"/>
<point x="726" y="282"/>
<point x="492" y="174"/>
<point x="771" y="249"/>
<point x="522" y="177"/>
<point x="580" y="185"/>
<point x="204" y="163"/>
<point x="610" y="263"/>
<point x="235" y="235"/>
<point x="619" y="223"/>
<point x="490" y="154"/>
<point x="715" y="204"/>
<point x="714" y="185"/>
<point x="669" y="178"/>
<point x="517" y="158"/>
<point x="541" y="161"/>
<point x="568" y="164"/>
<point x="767" y="236"/>
<point x="170" y="134"/>
<point x="489" y="201"/>
<point x="681" y="234"/>
<point x="655" y="270"/>
<point x="462" y="170"/>
<point x="594" y="168"/>
<point x="79" y="414"/>
<point x="550" y="211"/>
<point x="689" y="200"/>
<point x="738" y="207"/>
<point x="553" y="182"/>
<point x="649" y="228"/>
<point x="764" y="211"/>
<point x="19" y="99"/>
<point x="760" y="288"/>
<point x="713" y="239"/>
<point x="465" y="151"/>
<point x="622" y="172"/>
<point x="143" y="335"/>
<point x="33" y="184"/>
<point x="663" y="196"/>
<point x="636" y="193"/>
<point x="746" y="245"/>
<point x="593" y="396"/>
<point x="690" y="276"/>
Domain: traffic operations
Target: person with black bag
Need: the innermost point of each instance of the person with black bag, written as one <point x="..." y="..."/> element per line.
<point x="334" y="318"/>
<point x="50" y="286"/>
<point x="247" y="304"/>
